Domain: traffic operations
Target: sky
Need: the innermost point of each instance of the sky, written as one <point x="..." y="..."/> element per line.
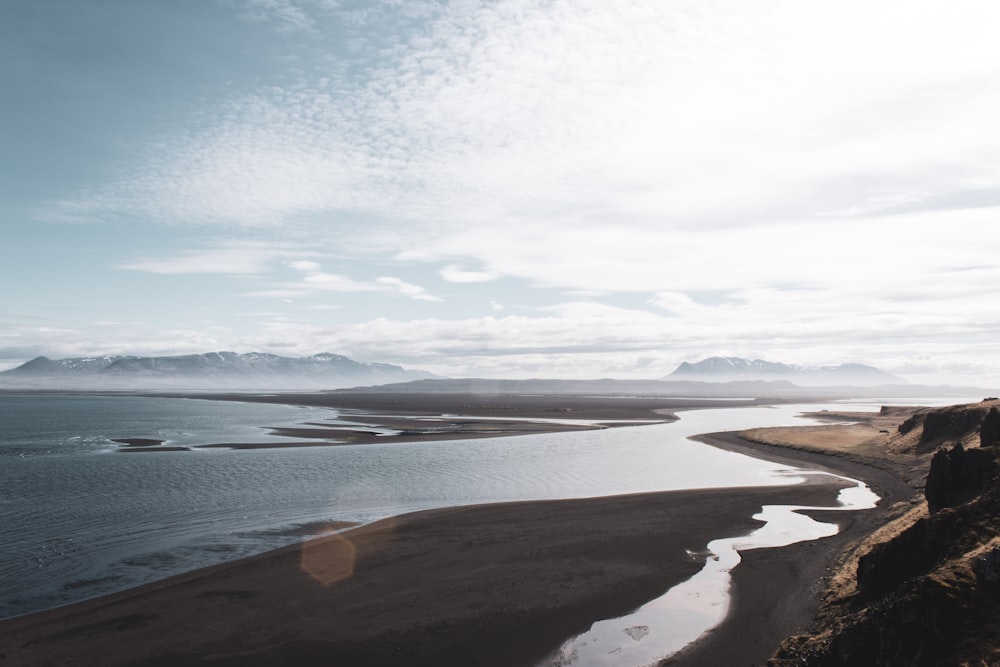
<point x="512" y="188"/>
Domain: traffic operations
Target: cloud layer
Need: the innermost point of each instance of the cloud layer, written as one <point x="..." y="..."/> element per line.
<point x="649" y="181"/>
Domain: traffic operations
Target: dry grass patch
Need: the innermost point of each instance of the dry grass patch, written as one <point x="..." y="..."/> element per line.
<point x="854" y="438"/>
<point x="865" y="433"/>
<point x="844" y="581"/>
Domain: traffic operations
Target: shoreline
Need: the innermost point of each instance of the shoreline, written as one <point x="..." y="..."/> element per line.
<point x="438" y="587"/>
<point x="452" y="586"/>
<point x="776" y="592"/>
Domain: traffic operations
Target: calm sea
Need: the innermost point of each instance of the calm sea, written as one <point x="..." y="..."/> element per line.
<point x="79" y="519"/>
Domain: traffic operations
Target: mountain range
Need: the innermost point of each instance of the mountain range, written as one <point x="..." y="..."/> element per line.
<point x="732" y="369"/>
<point x="216" y="370"/>
<point x="256" y="371"/>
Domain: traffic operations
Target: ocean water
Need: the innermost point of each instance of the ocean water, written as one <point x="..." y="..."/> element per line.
<point x="80" y="519"/>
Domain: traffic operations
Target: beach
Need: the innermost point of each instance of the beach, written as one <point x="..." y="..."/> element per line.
<point x="486" y="585"/>
<point x="498" y="584"/>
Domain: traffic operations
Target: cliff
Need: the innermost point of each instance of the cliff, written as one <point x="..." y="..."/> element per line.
<point x="931" y="428"/>
<point x="929" y="592"/>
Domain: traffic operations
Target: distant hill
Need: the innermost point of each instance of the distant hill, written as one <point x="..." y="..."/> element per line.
<point x="606" y="386"/>
<point x="730" y="369"/>
<point x="212" y="370"/>
<point x="762" y="389"/>
<point x="256" y="371"/>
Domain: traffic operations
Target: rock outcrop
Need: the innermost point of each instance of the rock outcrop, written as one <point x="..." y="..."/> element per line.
<point x="930" y="595"/>
<point x="958" y="475"/>
<point x="932" y="428"/>
<point x="989" y="432"/>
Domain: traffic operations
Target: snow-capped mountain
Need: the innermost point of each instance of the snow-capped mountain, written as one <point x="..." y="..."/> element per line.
<point x="728" y="369"/>
<point x="211" y="370"/>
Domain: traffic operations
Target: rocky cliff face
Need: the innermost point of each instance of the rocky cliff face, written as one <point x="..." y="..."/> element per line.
<point x="989" y="430"/>
<point x="931" y="594"/>
<point x="937" y="427"/>
<point x="958" y="475"/>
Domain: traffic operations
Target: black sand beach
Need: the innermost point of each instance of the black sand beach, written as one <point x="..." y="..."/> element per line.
<point x="500" y="584"/>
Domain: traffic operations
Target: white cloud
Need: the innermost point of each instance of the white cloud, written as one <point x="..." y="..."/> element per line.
<point x="815" y="167"/>
<point x="285" y="13"/>
<point x="590" y="340"/>
<point x="456" y="274"/>
<point x="938" y="340"/>
<point x="305" y="265"/>
<point x="331" y="282"/>
<point x="234" y="257"/>
<point x="677" y="304"/>
<point x="226" y="261"/>
<point x="882" y="254"/>
<point x="599" y="113"/>
<point x="406" y="289"/>
<point x="317" y="281"/>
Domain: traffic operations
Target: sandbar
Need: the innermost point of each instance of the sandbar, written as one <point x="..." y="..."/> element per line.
<point x="370" y="417"/>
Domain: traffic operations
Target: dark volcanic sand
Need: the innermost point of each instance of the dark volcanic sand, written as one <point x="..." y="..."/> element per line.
<point x="487" y="585"/>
